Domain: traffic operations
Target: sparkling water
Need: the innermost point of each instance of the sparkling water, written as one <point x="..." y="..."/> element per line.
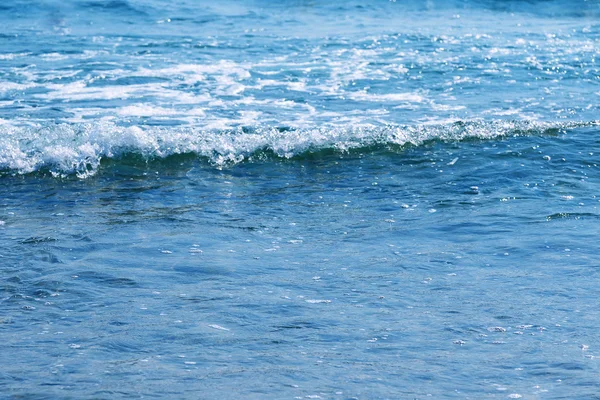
<point x="299" y="199"/>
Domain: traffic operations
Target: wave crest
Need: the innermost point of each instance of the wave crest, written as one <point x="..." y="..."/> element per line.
<point x="65" y="149"/>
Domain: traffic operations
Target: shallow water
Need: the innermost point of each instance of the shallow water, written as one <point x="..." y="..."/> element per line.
<point x="302" y="200"/>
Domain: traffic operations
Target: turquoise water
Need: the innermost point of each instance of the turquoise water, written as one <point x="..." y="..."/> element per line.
<point x="372" y="200"/>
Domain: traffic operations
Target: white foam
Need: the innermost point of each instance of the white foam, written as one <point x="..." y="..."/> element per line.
<point x="194" y="73"/>
<point x="8" y="86"/>
<point x="80" y="91"/>
<point x="219" y="327"/>
<point x="391" y="97"/>
<point x="12" y="56"/>
<point x="54" y="56"/>
<point x="149" y="110"/>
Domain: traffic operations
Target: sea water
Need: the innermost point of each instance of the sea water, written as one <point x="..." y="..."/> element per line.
<point x="299" y="199"/>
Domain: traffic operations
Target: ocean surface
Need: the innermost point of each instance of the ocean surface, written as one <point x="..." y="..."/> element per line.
<point x="300" y="199"/>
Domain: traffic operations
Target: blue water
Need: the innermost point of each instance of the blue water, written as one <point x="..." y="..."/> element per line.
<point x="299" y="199"/>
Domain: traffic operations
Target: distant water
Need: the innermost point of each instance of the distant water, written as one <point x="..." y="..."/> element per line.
<point x="299" y="199"/>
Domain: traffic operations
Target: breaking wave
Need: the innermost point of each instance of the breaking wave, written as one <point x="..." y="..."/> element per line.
<point x="65" y="149"/>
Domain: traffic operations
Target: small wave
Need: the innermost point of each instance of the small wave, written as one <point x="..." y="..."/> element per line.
<point x="64" y="149"/>
<point x="112" y="5"/>
<point x="566" y="215"/>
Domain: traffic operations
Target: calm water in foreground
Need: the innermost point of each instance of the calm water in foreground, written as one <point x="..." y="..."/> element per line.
<point x="336" y="200"/>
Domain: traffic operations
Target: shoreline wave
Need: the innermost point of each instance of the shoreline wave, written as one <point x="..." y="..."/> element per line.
<point x="78" y="149"/>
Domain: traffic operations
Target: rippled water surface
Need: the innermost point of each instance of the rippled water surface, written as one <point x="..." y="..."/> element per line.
<point x="372" y="200"/>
